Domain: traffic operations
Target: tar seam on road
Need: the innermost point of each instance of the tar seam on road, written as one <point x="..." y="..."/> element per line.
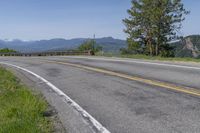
<point x="95" y="125"/>
<point x="186" y="90"/>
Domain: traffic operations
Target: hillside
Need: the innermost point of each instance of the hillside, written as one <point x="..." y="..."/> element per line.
<point x="109" y="44"/>
<point x="188" y="47"/>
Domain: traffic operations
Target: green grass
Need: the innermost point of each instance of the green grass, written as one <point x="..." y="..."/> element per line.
<point x="21" y="111"/>
<point x="138" y="56"/>
<point x="161" y="58"/>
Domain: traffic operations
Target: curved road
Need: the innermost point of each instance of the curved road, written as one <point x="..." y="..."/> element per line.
<point x="119" y="104"/>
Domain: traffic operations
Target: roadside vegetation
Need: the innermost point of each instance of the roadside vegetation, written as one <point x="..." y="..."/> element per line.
<point x="90" y="45"/>
<point x="6" y="50"/>
<point x="146" y="57"/>
<point x="152" y="29"/>
<point x="21" y="111"/>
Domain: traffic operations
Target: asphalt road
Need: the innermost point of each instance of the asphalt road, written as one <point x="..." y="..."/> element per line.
<point x="121" y="105"/>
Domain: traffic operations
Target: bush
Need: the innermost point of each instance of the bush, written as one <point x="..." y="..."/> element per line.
<point x="90" y="45"/>
<point x="6" y="50"/>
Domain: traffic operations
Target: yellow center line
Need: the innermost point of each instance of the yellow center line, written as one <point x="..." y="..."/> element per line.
<point x="187" y="90"/>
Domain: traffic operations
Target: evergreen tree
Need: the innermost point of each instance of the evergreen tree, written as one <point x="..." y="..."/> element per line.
<point x="152" y="24"/>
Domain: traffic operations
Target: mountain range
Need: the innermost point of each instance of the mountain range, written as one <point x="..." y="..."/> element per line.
<point x="187" y="47"/>
<point x="108" y="44"/>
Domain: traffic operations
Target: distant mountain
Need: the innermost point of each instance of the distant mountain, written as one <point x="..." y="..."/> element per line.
<point x="109" y="44"/>
<point x="188" y="47"/>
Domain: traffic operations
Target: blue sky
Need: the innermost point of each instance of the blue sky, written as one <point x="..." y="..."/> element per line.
<point x="45" y="19"/>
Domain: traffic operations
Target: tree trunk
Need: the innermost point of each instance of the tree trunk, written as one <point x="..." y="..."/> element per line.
<point x="150" y="47"/>
<point x="157" y="49"/>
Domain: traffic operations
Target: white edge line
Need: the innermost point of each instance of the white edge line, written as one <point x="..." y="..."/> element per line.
<point x="84" y="113"/>
<point x="134" y="61"/>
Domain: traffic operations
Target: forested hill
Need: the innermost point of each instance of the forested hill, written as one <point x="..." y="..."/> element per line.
<point x="188" y="47"/>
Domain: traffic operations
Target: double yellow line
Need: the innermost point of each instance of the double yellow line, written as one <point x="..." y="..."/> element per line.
<point x="187" y="90"/>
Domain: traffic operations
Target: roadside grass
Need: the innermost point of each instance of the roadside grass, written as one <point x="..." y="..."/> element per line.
<point x="185" y="59"/>
<point x="21" y="111"/>
<point x="139" y="56"/>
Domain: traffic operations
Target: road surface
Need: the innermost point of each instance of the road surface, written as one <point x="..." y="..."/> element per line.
<point x="104" y="89"/>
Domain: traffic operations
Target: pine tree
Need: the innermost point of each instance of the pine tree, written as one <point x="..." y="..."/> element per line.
<point x="152" y="24"/>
